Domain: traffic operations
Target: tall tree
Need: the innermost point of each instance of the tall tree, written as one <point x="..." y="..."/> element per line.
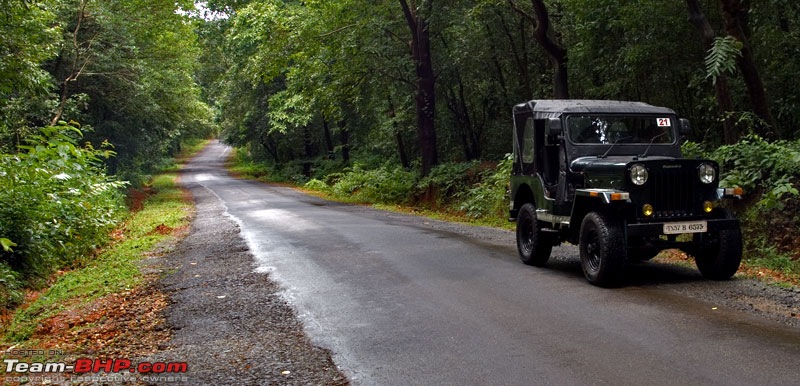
<point x="28" y="37"/>
<point x="418" y="25"/>
<point x="542" y="32"/>
<point x="724" y="102"/>
<point x="125" y="68"/>
<point x="734" y="13"/>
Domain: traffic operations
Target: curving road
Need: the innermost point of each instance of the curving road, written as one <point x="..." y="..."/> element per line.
<point x="404" y="300"/>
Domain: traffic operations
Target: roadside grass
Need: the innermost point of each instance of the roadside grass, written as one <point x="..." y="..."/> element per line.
<point x="780" y="271"/>
<point x="244" y="167"/>
<point x="115" y="268"/>
<point x="442" y="215"/>
<point x="458" y="217"/>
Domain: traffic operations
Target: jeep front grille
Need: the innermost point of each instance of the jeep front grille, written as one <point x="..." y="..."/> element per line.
<point x="672" y="190"/>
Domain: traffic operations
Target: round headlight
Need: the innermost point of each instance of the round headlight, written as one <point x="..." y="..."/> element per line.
<point x="706" y="173"/>
<point x="638" y="174"/>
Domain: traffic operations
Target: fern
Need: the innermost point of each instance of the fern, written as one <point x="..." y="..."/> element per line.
<point x="722" y="56"/>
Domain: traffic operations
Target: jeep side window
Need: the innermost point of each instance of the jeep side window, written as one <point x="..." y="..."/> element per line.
<point x="523" y="144"/>
<point x="527" y="142"/>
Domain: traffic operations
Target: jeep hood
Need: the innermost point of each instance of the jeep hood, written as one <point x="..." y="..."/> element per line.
<point x="612" y="164"/>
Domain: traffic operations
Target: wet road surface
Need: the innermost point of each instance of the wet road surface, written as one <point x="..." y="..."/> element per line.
<point x="405" y="300"/>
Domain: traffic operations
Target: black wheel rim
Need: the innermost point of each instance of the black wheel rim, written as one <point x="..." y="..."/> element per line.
<point x="526" y="234"/>
<point x="592" y="247"/>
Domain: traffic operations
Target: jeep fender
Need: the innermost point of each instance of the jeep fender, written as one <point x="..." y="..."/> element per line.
<point x="529" y="188"/>
<point x="596" y="200"/>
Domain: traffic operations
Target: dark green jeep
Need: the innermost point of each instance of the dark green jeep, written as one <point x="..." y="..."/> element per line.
<point x="609" y="176"/>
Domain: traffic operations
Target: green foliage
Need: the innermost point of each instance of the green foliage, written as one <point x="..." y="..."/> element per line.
<point x="7" y="244"/>
<point x="721" y="58"/>
<point x="27" y="39"/>
<point x="387" y="185"/>
<point x="775" y="260"/>
<point x="315" y="184"/>
<point x="243" y="164"/>
<point x="10" y="286"/>
<point x="771" y="168"/>
<point x="693" y="150"/>
<point x="446" y="181"/>
<point x="478" y="191"/>
<point x="56" y="204"/>
<point x="115" y="269"/>
<point x="489" y="198"/>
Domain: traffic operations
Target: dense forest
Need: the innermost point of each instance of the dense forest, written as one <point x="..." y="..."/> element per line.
<point x="433" y="81"/>
<point x="94" y="96"/>
<point x="404" y="101"/>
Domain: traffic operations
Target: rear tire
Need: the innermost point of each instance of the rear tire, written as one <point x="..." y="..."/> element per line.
<point x="602" y="248"/>
<point x="721" y="253"/>
<point x="534" y="248"/>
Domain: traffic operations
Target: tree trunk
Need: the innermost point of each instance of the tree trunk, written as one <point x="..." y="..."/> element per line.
<point x="344" y="139"/>
<point x="457" y="104"/>
<point x="520" y="54"/>
<point x="733" y="11"/>
<point x="269" y="144"/>
<point x="76" y="69"/>
<point x="724" y="101"/>
<point x="401" y="150"/>
<point x="425" y="82"/>
<point x="398" y="136"/>
<point x="558" y="54"/>
<point x="328" y="138"/>
<point x="501" y="81"/>
<point x="308" y="151"/>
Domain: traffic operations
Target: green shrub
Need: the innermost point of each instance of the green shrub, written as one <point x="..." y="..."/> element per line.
<point x="315" y="184"/>
<point x="442" y="186"/>
<point x="386" y="185"/>
<point x="10" y="285"/>
<point x="769" y="168"/>
<point x="489" y="197"/>
<point x="56" y="205"/>
<point x="693" y="150"/>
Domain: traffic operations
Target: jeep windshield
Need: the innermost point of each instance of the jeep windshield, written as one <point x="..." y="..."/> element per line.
<point x="610" y="129"/>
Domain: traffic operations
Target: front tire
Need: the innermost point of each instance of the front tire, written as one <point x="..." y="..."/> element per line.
<point x="533" y="248"/>
<point x="602" y="248"/>
<point x="721" y="253"/>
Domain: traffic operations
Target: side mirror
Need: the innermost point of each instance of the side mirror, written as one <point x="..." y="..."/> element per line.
<point x="686" y="127"/>
<point x="553" y="127"/>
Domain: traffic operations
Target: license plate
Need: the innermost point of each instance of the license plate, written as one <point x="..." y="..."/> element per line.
<point x="685" y="227"/>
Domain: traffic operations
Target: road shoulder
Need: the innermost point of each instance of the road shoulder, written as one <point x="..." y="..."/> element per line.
<point x="231" y="324"/>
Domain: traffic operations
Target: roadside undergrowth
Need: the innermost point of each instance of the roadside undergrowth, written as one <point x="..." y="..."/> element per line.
<point x="109" y="305"/>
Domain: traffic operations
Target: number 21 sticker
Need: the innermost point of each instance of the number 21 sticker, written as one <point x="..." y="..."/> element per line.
<point x="662" y="122"/>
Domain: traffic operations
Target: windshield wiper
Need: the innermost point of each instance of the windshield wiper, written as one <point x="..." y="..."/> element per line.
<point x="644" y="155"/>
<point x="612" y="146"/>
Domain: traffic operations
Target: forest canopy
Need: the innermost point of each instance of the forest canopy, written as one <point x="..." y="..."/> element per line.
<point x="122" y="70"/>
<point x="430" y="81"/>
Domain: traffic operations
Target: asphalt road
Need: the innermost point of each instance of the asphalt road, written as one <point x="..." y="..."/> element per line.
<point x="405" y="300"/>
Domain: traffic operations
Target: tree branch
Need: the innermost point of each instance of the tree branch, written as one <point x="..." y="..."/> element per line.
<point x="336" y="30"/>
